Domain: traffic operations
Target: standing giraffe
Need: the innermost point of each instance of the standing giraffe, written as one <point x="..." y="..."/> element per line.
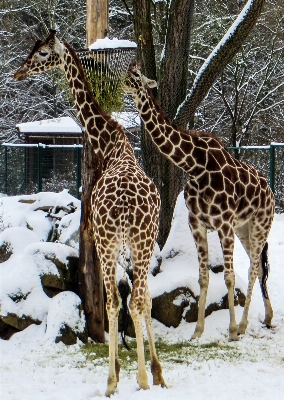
<point x="125" y="204"/>
<point x="221" y="194"/>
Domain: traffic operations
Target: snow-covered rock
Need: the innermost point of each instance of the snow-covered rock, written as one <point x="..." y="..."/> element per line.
<point x="65" y="319"/>
<point x="33" y="270"/>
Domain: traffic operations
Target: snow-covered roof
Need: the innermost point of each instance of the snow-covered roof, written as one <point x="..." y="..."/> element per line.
<point x="114" y="43"/>
<point x="67" y="125"/>
<point x="56" y="125"/>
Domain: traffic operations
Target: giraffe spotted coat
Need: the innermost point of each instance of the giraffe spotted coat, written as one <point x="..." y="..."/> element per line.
<point x="125" y="204"/>
<point x="221" y="193"/>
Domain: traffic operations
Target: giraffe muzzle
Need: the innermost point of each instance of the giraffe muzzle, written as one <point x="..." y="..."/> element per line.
<point x="21" y="74"/>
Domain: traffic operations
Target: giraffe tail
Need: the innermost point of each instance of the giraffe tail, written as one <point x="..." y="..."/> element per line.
<point x="265" y="270"/>
<point x="124" y="290"/>
<point x="123" y="285"/>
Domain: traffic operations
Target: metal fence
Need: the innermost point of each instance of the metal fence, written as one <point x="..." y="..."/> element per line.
<point x="26" y="169"/>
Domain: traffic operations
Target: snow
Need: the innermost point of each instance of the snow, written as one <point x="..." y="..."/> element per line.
<point x="33" y="367"/>
<point x="61" y="124"/>
<point x="114" y="43"/>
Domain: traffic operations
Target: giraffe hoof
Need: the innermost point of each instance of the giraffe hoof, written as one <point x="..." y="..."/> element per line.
<point x="196" y="335"/>
<point x="160" y="381"/>
<point x="233" y="338"/>
<point x="242" y="329"/>
<point x="109" y="392"/>
<point x="111" y="387"/>
<point x="144" y="386"/>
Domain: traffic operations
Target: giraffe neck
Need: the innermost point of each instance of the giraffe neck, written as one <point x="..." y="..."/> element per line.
<point x="104" y="133"/>
<point x="177" y="144"/>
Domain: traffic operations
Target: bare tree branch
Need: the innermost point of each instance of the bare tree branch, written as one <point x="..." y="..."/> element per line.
<point x="218" y="59"/>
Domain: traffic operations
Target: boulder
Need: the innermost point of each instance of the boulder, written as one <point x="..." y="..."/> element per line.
<point x="5" y="251"/>
<point x="66" y="320"/>
<point x="66" y="279"/>
<point x="57" y="265"/>
<point x="171" y="307"/>
<point x="19" y="322"/>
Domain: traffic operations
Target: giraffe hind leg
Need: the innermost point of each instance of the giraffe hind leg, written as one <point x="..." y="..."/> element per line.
<point x="156" y="367"/>
<point x="136" y="307"/>
<point x="257" y="251"/>
<point x="108" y="260"/>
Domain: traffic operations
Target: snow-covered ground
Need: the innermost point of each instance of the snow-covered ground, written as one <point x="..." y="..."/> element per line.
<point x="34" y="367"/>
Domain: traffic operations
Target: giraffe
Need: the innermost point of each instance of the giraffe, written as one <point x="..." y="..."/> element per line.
<point x="221" y="193"/>
<point x="125" y="204"/>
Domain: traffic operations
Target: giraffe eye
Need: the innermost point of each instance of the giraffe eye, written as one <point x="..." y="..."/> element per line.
<point x="43" y="53"/>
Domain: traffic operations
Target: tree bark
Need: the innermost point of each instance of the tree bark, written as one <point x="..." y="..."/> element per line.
<point x="96" y="20"/>
<point x="172" y="92"/>
<point x="173" y="82"/>
<point x="144" y="37"/>
<point x="90" y="278"/>
<point x="227" y="48"/>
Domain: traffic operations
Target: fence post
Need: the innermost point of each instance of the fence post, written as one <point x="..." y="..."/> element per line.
<point x="272" y="167"/>
<point x="39" y="177"/>
<point x="6" y="168"/>
<point x="78" y="172"/>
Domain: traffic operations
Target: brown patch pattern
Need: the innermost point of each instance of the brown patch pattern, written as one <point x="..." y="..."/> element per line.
<point x="221" y="194"/>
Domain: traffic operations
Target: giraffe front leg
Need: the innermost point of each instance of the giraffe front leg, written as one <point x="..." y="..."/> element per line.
<point x="227" y="238"/>
<point x="200" y="236"/>
<point x="230" y="283"/>
<point x="156" y="367"/>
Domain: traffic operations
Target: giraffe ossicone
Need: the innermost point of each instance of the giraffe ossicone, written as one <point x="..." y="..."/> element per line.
<point x="221" y="193"/>
<point x="125" y="204"/>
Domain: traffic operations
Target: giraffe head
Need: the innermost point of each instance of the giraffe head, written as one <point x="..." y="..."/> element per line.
<point x="135" y="80"/>
<point x="44" y="56"/>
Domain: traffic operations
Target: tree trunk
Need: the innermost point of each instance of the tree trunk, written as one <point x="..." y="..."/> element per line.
<point x="96" y="20"/>
<point x="168" y="178"/>
<point x="90" y="275"/>
<point x="144" y="37"/>
<point x="172" y="92"/>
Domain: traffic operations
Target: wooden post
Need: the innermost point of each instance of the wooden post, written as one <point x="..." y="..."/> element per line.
<point x="97" y="20"/>
<point x="90" y="281"/>
<point x="90" y="278"/>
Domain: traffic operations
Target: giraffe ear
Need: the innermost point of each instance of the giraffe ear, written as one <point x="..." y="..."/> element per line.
<point x="58" y="46"/>
<point x="149" y="82"/>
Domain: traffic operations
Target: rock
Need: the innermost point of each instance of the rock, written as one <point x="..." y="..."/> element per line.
<point x="66" y="320"/>
<point x="19" y="322"/>
<point x="6" y="331"/>
<point x="170" y="308"/>
<point x="68" y="229"/>
<point x="57" y="265"/>
<point x="21" y="309"/>
<point x="65" y="280"/>
<point x="5" y="251"/>
<point x="9" y="243"/>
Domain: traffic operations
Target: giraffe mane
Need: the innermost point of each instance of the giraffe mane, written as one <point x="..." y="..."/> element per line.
<point x="191" y="132"/>
<point x="113" y="123"/>
<point x="37" y="45"/>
